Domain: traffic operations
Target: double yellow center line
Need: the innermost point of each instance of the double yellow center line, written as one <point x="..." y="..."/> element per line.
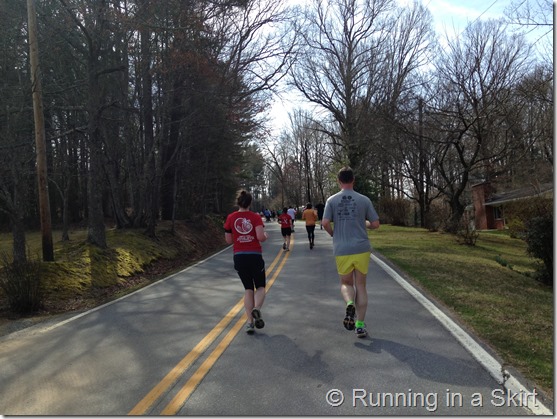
<point x="180" y="369"/>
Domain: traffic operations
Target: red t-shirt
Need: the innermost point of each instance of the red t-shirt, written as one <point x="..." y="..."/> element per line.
<point x="285" y="220"/>
<point x="241" y="224"/>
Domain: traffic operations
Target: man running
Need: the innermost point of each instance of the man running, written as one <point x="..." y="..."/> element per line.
<point x="320" y="209"/>
<point x="351" y="214"/>
<point x="292" y="213"/>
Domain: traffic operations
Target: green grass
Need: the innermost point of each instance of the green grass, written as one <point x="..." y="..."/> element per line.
<point x="80" y="267"/>
<point x="489" y="286"/>
<point x="83" y="275"/>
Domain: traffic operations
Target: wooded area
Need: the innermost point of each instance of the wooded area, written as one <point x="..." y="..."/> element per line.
<point x="160" y="109"/>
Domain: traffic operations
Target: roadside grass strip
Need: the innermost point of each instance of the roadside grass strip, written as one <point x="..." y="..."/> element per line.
<point x="493" y="367"/>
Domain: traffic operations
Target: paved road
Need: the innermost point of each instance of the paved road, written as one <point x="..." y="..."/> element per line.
<point x="178" y="347"/>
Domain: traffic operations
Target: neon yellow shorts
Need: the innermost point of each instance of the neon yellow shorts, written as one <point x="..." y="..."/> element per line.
<point x="347" y="263"/>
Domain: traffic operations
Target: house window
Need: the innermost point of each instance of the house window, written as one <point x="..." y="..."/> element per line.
<point x="498" y="212"/>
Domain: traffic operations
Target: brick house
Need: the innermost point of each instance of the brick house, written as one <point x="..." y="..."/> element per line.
<point x="488" y="205"/>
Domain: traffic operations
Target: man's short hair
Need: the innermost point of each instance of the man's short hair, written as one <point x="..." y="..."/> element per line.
<point x="346" y="175"/>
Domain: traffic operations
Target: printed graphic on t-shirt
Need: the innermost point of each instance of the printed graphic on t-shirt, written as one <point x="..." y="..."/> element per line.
<point x="243" y="225"/>
<point x="346" y="209"/>
<point x="284" y="220"/>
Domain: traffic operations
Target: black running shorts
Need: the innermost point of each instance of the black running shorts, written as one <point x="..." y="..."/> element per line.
<point x="251" y="270"/>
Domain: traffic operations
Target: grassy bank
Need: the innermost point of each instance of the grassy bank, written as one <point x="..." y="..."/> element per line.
<point x="489" y="286"/>
<point x="83" y="276"/>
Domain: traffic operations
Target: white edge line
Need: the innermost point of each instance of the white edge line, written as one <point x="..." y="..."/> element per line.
<point x="493" y="367"/>
<point x="54" y="326"/>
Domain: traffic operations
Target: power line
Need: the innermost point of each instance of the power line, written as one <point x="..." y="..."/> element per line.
<point x="477" y="18"/>
<point x="485" y="11"/>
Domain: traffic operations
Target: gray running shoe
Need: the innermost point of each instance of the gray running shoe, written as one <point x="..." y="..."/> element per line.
<point x="349" y="318"/>
<point x="257" y="320"/>
<point x="361" y="332"/>
<point x="249" y="329"/>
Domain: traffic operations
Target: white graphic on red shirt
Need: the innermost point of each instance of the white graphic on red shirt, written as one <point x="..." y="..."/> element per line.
<point x="243" y="225"/>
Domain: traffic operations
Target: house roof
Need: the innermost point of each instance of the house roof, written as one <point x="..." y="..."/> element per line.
<point x="517" y="194"/>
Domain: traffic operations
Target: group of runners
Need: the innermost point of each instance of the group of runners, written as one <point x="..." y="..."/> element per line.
<point x="346" y="217"/>
<point x="287" y="218"/>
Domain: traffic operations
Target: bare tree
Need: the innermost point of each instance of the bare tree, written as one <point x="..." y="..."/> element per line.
<point x="535" y="19"/>
<point x="277" y="154"/>
<point x="300" y="161"/>
<point x="283" y="160"/>
<point x="398" y="83"/>
<point x="13" y="201"/>
<point x="215" y="86"/>
<point x="340" y="63"/>
<point x="476" y="79"/>
<point x="314" y="155"/>
<point x="16" y="127"/>
<point x="150" y="184"/>
<point x="533" y="156"/>
<point x="93" y="21"/>
<point x="411" y="158"/>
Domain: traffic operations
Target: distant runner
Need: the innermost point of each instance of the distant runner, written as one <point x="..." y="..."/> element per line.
<point x="310" y="216"/>
<point x="285" y="228"/>
<point x="292" y="213"/>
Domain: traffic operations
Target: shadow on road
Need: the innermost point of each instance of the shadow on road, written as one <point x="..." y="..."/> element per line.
<point x="428" y="365"/>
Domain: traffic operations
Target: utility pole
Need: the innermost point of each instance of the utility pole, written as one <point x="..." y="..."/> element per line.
<point x="40" y="141"/>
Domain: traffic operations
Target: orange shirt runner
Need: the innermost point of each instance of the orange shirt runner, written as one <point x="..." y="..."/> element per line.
<point x="310" y="215"/>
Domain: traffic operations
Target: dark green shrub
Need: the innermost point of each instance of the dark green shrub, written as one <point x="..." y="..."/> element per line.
<point x="519" y="212"/>
<point x="539" y="240"/>
<point x="21" y="283"/>
<point x="503" y="262"/>
<point x="516" y="228"/>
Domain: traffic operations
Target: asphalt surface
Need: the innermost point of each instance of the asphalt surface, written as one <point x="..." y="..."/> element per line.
<point x="179" y="347"/>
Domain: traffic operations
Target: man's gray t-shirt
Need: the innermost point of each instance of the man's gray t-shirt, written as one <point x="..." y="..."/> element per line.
<point x="349" y="210"/>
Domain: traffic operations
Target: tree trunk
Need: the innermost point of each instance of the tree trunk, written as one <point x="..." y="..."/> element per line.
<point x="150" y="178"/>
<point x="65" y="215"/>
<point x="96" y="234"/>
<point x="19" y="245"/>
<point x="168" y="150"/>
<point x="122" y="220"/>
<point x="42" y="176"/>
<point x="457" y="211"/>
